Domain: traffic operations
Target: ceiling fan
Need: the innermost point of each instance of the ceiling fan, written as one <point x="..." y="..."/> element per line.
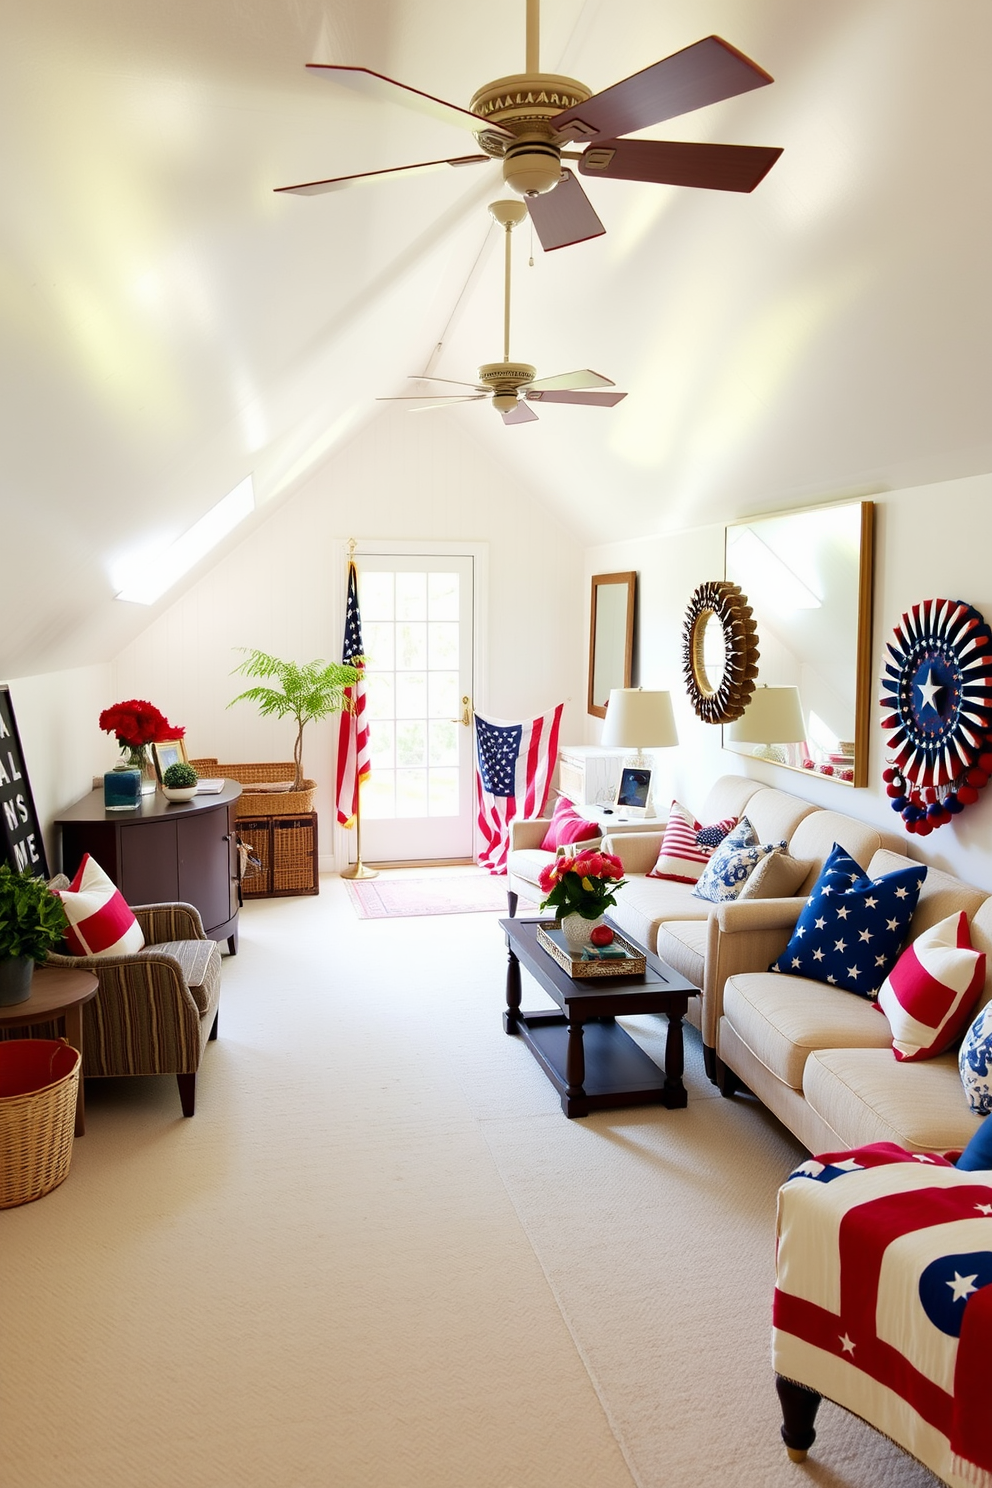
<point x="528" y="119"/>
<point x="507" y="383"/>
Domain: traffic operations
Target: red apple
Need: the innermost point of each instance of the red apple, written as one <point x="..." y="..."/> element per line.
<point x="601" y="935"/>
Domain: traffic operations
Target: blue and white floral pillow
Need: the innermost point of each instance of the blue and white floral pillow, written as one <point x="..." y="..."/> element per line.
<point x="733" y="862"/>
<point x="975" y="1062"/>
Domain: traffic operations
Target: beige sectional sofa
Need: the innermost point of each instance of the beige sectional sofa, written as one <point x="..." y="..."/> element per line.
<point x="819" y="1057"/>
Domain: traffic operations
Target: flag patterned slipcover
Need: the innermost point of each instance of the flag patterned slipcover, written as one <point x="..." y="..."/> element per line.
<point x="882" y="1299"/>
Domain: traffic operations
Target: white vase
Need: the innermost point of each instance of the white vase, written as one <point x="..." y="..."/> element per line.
<point x="576" y="929"/>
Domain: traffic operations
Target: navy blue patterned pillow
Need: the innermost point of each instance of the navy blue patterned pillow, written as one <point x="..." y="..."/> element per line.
<point x="714" y="835"/>
<point x="852" y="927"/>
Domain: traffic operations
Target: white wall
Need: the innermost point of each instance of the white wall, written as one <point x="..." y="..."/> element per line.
<point x="929" y="541"/>
<point x="412" y="478"/>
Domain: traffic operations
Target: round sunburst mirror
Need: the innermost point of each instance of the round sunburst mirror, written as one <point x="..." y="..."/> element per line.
<point x="719" y="651"/>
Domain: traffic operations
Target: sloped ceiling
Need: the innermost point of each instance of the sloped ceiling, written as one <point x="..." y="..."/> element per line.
<point x="170" y="325"/>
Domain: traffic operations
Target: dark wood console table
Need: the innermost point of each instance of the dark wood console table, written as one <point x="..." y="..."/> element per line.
<point x="163" y="852"/>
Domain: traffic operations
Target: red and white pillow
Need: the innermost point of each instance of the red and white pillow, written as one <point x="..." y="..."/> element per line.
<point x="100" y="922"/>
<point x="683" y="857"/>
<point x="931" y="991"/>
<point x="567" y="826"/>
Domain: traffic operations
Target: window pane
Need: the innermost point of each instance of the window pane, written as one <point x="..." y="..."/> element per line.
<point x="443" y="698"/>
<point x="411" y="596"/>
<point x="375" y="596"/>
<point x="411" y="646"/>
<point x="442" y="596"/>
<point x="379" y="796"/>
<point x="411" y="793"/>
<point x="443" y="793"/>
<point x="411" y="694"/>
<point x="382" y="742"/>
<point x="377" y="639"/>
<point x="380" y="694"/>
<point x="411" y="744"/>
<point x="442" y="643"/>
<point x="443" y="743"/>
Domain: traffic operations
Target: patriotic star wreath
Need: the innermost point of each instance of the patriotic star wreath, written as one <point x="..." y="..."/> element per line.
<point x="937" y="701"/>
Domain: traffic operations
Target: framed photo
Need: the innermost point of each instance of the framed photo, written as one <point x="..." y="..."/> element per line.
<point x="633" y="792"/>
<point x="168" y="752"/>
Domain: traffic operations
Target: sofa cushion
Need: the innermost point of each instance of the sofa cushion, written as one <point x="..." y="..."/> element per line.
<point x="643" y="903"/>
<point x="682" y="944"/>
<point x="567" y="826"/>
<point x="816" y="834"/>
<point x="684" y="851"/>
<point x="100" y="920"/>
<point x="975" y="1062"/>
<point x="864" y="1095"/>
<point x="852" y="927"/>
<point x="733" y="862"/>
<point x="782" y="1019"/>
<point x="775" y="814"/>
<point x="777" y="876"/>
<point x="930" y="993"/>
<point x="527" y="862"/>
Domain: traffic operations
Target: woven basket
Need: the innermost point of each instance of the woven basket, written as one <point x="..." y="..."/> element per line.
<point x="39" y="1081"/>
<point x="262" y="803"/>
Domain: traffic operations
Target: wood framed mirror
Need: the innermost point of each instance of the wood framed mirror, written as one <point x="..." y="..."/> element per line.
<point x="808" y="579"/>
<point x="611" y="637"/>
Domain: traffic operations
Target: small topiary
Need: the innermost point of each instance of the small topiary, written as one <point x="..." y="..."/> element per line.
<point x="179" y="777"/>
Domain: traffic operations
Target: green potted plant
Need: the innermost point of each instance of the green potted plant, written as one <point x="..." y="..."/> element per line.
<point x="179" y="782"/>
<point x="313" y="689"/>
<point x="32" y="923"/>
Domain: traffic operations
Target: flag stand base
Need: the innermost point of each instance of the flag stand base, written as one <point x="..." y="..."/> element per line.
<point x="359" y="870"/>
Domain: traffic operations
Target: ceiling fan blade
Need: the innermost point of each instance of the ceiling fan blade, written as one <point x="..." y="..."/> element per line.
<point x="583" y="379"/>
<point x="452" y="382"/>
<point x="520" y="415"/>
<point x="671" y="163"/>
<point x="426" y="401"/>
<point x="704" y="73"/>
<point x="339" y="183"/>
<point x="576" y="395"/>
<point x="565" y="215"/>
<point x="382" y="89"/>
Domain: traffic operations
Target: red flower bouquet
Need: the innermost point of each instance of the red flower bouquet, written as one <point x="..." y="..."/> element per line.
<point x="584" y="884"/>
<point x="137" y="723"/>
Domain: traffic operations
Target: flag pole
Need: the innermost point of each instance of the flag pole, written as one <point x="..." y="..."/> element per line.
<point x="357" y="869"/>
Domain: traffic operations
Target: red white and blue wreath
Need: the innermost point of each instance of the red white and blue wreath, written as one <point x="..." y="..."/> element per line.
<point x="937" y="701"/>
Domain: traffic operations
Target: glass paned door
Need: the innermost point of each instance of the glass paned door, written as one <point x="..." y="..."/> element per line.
<point x="417" y="630"/>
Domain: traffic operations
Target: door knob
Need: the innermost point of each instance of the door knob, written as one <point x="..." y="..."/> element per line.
<point x="466" y="718"/>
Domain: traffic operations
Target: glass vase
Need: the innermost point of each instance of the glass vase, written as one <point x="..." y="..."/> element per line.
<point x="137" y="757"/>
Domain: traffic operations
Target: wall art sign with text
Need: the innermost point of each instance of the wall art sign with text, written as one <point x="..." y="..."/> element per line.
<point x="21" y="842"/>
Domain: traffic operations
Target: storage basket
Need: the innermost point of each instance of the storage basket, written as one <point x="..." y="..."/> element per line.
<point x="262" y="803"/>
<point x="286" y="849"/>
<point x="39" y="1082"/>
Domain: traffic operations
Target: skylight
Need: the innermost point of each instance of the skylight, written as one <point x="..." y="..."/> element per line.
<point x="144" y="581"/>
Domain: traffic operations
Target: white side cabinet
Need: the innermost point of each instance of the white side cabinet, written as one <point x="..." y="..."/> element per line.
<point x="588" y="775"/>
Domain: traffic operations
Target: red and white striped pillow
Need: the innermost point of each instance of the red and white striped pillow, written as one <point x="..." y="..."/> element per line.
<point x="931" y="991"/>
<point x="100" y="922"/>
<point x="682" y="858"/>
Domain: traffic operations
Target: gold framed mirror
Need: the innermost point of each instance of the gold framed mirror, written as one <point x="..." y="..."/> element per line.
<point x="611" y="637"/>
<point x="808" y="578"/>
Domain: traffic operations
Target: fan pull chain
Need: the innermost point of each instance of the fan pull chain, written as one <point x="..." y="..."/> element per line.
<point x="530" y="261"/>
<point x="506" y="295"/>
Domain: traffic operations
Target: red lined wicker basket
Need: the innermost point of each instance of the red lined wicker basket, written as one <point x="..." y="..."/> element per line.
<point x="262" y="803"/>
<point x="39" y="1081"/>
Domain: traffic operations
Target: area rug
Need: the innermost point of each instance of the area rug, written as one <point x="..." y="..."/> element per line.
<point x="395" y="898"/>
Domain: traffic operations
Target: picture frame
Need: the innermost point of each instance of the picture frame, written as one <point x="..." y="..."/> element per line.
<point x="633" y="792"/>
<point x="168" y="752"/>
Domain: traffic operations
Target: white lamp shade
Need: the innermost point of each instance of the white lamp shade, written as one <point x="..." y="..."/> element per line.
<point x="773" y="716"/>
<point x="639" y="720"/>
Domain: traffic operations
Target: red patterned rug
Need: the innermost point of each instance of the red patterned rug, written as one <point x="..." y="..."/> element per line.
<point x="396" y="898"/>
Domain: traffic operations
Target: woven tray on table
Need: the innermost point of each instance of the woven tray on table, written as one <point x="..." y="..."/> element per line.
<point x="262" y="803"/>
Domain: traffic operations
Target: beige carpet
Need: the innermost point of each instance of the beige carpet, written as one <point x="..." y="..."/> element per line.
<point x="379" y="1256"/>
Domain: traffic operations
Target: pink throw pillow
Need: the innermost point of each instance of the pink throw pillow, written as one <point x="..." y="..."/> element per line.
<point x="100" y="922"/>
<point x="567" y="826"/>
<point x="683" y="857"/>
<point x="931" y="991"/>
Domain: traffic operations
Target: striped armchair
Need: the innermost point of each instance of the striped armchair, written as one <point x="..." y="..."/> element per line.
<point x="155" y="1010"/>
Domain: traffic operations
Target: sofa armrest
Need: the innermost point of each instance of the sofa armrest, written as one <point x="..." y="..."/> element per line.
<point x="169" y="922"/>
<point x="637" y="851"/>
<point x="742" y="937"/>
<point x="528" y="832"/>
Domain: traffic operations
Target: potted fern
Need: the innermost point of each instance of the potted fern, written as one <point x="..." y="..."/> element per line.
<point x="306" y="691"/>
<point x="32" y="923"/>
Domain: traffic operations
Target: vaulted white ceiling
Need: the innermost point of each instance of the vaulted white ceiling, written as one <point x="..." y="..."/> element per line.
<point x="169" y="324"/>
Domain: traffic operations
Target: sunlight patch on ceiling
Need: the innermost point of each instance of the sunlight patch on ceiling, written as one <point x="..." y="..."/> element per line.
<point x="146" y="580"/>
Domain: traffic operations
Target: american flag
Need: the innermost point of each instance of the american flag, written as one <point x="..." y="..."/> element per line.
<point x="883" y="1300"/>
<point x="354" y="749"/>
<point x="513" y="775"/>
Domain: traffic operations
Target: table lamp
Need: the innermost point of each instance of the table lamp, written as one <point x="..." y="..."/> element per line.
<point x="639" y="720"/>
<point x="773" y="717"/>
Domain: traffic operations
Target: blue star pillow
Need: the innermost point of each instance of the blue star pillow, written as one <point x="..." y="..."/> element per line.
<point x="852" y="927"/>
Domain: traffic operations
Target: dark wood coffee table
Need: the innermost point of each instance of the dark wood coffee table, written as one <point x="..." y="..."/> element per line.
<point x="592" y="1063"/>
